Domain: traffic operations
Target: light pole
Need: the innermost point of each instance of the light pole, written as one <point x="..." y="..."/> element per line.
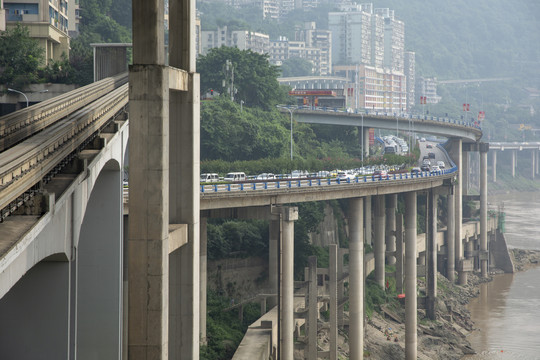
<point x="20" y="92"/>
<point x="290" y="112"/>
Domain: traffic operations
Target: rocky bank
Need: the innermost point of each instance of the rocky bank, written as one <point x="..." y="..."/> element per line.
<point x="444" y="338"/>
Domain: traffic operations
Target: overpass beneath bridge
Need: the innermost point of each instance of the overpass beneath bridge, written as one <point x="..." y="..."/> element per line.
<point x="524" y="149"/>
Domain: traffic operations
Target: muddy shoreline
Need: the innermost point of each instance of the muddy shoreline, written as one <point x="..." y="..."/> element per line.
<point x="444" y="338"/>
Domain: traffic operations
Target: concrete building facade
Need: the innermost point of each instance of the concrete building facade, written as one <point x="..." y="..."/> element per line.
<point x="428" y="87"/>
<point x="410" y="76"/>
<point x="321" y="39"/>
<point x="241" y="39"/>
<point x="47" y="21"/>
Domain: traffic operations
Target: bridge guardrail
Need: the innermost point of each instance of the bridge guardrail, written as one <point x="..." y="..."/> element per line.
<point x="316" y="182"/>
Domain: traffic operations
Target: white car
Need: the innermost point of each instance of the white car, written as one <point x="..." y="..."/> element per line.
<point x="441" y="164"/>
<point x="342" y="175"/>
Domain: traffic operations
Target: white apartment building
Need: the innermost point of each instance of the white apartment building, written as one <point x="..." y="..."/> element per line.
<point x="321" y="39"/>
<point x="351" y="37"/>
<point x="428" y="87"/>
<point x="241" y="39"/>
<point x="47" y="21"/>
<point x="74" y="17"/>
<point x="410" y="75"/>
<point x="394" y="39"/>
<point x="284" y="49"/>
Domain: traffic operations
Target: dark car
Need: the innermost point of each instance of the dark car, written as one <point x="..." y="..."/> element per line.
<point x="429" y="146"/>
<point x="431" y="155"/>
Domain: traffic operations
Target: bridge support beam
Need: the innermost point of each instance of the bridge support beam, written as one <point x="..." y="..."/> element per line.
<point x="494" y="165"/>
<point x="333" y="272"/>
<point x="399" y="253"/>
<point x="367" y="221"/>
<point x="514" y="162"/>
<point x="356" y="280"/>
<point x="287" y="216"/>
<point x="483" y="209"/>
<point x="378" y="244"/>
<point x="431" y="253"/>
<point x="450" y="237"/>
<point x="204" y="279"/>
<point x="410" y="277"/>
<point x="391" y="207"/>
<point x="273" y="254"/>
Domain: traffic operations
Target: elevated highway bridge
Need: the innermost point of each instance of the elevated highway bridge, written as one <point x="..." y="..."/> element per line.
<point x="79" y="280"/>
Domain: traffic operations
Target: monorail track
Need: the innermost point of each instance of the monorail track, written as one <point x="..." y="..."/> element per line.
<point x="25" y="164"/>
<point x="22" y="124"/>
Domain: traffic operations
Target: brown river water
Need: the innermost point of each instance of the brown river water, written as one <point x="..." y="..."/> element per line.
<point x="507" y="312"/>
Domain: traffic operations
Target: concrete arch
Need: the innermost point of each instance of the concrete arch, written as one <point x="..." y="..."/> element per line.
<point x="99" y="260"/>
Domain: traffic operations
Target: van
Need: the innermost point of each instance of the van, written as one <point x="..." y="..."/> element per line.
<point x="235" y="176"/>
<point x="207" y="177"/>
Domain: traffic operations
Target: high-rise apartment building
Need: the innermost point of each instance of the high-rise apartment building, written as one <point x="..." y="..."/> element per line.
<point x="320" y="39"/>
<point x="351" y="37"/>
<point x="241" y="39"/>
<point x="428" y="87"/>
<point x="47" y="21"/>
<point x="284" y="49"/>
<point x="410" y="75"/>
<point x="74" y="17"/>
<point x="394" y="39"/>
<point x="2" y="16"/>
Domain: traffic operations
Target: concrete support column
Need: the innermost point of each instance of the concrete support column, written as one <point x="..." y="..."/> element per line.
<point x="494" y="165"/>
<point x="399" y="253"/>
<point x="332" y="272"/>
<point x="483" y="210"/>
<point x="356" y="280"/>
<point x="514" y="161"/>
<point x="367" y="221"/>
<point x="457" y="156"/>
<point x="148" y="254"/>
<point x="450" y="237"/>
<point x="340" y="287"/>
<point x="365" y="133"/>
<point x="432" y="254"/>
<point x="533" y="166"/>
<point x="312" y="307"/>
<point x="204" y="279"/>
<point x="410" y="277"/>
<point x="378" y="244"/>
<point x="273" y="254"/>
<point x="466" y="173"/>
<point x="287" y="215"/>
<point x="391" y="207"/>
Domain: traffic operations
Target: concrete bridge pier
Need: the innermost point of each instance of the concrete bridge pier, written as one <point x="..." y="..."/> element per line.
<point x="378" y="244"/>
<point x="450" y="236"/>
<point x="494" y="165"/>
<point x="367" y="221"/>
<point x="356" y="280"/>
<point x="410" y="277"/>
<point x="390" y="232"/>
<point x="514" y="162"/>
<point x="484" y="147"/>
<point x="399" y="253"/>
<point x="431" y="252"/>
<point x="203" y="278"/>
<point x="287" y="216"/>
<point x="273" y="254"/>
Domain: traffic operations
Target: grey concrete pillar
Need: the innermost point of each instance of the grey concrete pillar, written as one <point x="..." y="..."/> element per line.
<point x="367" y="221"/>
<point x="450" y="237"/>
<point x="410" y="277"/>
<point x="391" y="207"/>
<point x="312" y="307"/>
<point x="204" y="279"/>
<point x="432" y="254"/>
<point x="483" y="210"/>
<point x="399" y="253"/>
<point x="533" y="166"/>
<point x="332" y="272"/>
<point x="273" y="254"/>
<point x="514" y="161"/>
<point x="466" y="177"/>
<point x="149" y="189"/>
<point x="288" y="215"/>
<point x="263" y="305"/>
<point x="365" y="133"/>
<point x="184" y="164"/>
<point x="494" y="165"/>
<point x="378" y="244"/>
<point x="356" y="280"/>
<point x="340" y="287"/>
<point x="457" y="156"/>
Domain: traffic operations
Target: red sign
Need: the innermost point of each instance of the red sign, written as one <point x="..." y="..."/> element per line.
<point x="312" y="93"/>
<point x="466" y="107"/>
<point x="371" y="136"/>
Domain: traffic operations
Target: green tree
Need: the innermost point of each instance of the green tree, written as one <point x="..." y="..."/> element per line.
<point x="255" y="79"/>
<point x="20" y="57"/>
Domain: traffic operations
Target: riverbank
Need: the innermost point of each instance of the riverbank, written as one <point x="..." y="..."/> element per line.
<point x="444" y="338"/>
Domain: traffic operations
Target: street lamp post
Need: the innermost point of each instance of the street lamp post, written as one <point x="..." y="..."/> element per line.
<point x="290" y="112"/>
<point x="20" y="92"/>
